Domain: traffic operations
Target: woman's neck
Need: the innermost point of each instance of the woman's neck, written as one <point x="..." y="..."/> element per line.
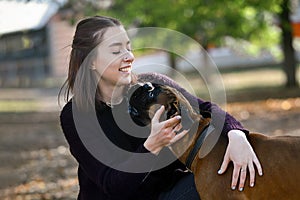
<point x="111" y="95"/>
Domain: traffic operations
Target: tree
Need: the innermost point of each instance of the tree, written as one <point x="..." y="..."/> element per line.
<point x="289" y="62"/>
<point x="210" y="21"/>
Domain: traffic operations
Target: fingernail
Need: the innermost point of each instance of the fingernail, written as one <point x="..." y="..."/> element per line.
<point x="233" y="187"/>
<point x="220" y="172"/>
<point x="241" y="189"/>
<point x="260" y="173"/>
<point x="178" y="117"/>
<point x="251" y="184"/>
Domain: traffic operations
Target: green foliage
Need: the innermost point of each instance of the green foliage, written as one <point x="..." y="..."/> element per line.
<point x="207" y="21"/>
<point x="260" y="23"/>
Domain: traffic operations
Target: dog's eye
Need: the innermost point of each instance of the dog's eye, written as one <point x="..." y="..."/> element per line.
<point x="151" y="94"/>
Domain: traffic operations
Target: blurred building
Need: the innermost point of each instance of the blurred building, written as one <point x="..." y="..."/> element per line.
<point x="34" y="42"/>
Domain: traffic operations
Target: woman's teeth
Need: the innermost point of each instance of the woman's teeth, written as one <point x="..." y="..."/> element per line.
<point x="125" y="69"/>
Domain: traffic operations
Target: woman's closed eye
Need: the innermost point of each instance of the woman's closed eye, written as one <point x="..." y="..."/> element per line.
<point x="116" y="52"/>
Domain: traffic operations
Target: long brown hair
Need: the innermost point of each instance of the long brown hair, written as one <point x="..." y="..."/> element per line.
<point x="89" y="33"/>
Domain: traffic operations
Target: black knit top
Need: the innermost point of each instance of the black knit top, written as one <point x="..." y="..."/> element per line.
<point x="102" y="172"/>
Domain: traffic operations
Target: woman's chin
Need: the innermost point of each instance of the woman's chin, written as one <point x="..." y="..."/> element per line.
<point x="125" y="80"/>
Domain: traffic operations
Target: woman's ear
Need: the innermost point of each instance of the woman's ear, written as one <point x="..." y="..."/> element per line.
<point x="93" y="65"/>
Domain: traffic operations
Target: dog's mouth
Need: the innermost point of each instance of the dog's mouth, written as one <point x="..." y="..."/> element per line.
<point x="145" y="99"/>
<point x="173" y="109"/>
<point x="170" y="112"/>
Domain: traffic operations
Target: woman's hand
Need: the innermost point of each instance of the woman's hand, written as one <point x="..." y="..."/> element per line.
<point x="163" y="133"/>
<point x="240" y="152"/>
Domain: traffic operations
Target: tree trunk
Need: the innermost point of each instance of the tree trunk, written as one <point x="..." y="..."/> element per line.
<point x="172" y="63"/>
<point x="289" y="63"/>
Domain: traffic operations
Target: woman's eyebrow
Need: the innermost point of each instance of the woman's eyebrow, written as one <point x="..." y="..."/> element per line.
<point x="118" y="44"/>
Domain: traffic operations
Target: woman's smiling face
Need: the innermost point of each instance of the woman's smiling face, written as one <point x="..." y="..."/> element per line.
<point x="114" y="58"/>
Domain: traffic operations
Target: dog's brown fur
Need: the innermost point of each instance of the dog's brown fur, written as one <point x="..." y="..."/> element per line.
<point x="279" y="156"/>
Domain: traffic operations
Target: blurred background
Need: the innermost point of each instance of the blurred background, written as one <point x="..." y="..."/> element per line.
<point x="254" y="44"/>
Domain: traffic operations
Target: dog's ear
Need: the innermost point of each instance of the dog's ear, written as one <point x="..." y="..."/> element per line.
<point x="137" y="114"/>
<point x="205" y="114"/>
<point x="148" y="87"/>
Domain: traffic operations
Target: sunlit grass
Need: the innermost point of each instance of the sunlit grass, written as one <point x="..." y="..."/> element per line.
<point x="237" y="84"/>
<point x="247" y="82"/>
<point x="18" y="105"/>
<point x="253" y="79"/>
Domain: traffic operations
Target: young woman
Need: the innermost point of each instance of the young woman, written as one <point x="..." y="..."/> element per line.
<point x="99" y="74"/>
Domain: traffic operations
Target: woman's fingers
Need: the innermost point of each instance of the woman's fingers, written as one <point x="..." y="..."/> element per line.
<point x="172" y="122"/>
<point x="252" y="170"/>
<point x="243" y="174"/>
<point x="177" y="128"/>
<point x="252" y="174"/>
<point x="168" y="123"/>
<point x="240" y="174"/>
<point x="235" y="176"/>
<point x="240" y="152"/>
<point x="178" y="136"/>
<point x="158" y="114"/>
<point x="224" y="164"/>
<point x="164" y="133"/>
<point x="258" y="165"/>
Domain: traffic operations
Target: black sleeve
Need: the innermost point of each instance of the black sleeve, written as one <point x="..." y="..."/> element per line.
<point x="111" y="181"/>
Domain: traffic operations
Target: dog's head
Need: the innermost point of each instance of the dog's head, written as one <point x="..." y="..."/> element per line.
<point x="146" y="98"/>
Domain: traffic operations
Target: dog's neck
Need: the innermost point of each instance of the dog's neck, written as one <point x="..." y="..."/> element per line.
<point x="183" y="147"/>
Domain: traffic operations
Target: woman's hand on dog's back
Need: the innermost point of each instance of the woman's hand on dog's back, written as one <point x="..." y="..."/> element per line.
<point x="163" y="133"/>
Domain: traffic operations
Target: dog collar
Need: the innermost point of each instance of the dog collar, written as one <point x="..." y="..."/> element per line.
<point x="200" y="140"/>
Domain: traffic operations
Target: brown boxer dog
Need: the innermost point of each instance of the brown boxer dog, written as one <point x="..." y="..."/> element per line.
<point x="279" y="155"/>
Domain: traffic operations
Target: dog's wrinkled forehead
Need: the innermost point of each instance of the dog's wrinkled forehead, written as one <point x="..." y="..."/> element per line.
<point x="145" y="99"/>
<point x="149" y="88"/>
<point x="144" y="92"/>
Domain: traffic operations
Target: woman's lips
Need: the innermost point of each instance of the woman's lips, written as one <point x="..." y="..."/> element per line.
<point x="125" y="69"/>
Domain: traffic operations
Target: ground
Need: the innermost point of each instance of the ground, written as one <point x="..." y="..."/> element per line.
<point x="36" y="163"/>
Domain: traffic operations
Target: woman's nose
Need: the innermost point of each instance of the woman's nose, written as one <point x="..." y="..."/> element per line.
<point x="128" y="57"/>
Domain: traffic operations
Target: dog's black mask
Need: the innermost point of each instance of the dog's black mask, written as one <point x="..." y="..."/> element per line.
<point x="143" y="96"/>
